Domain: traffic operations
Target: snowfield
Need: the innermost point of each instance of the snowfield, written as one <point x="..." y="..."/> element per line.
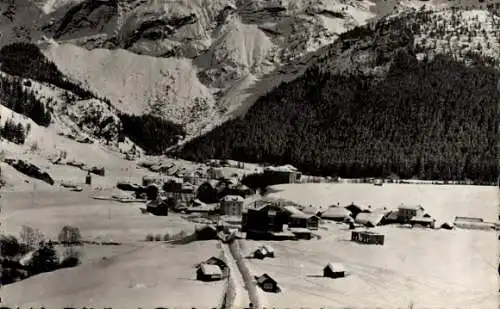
<point x="426" y="268"/>
<point x="148" y="275"/>
<point x="98" y="220"/>
<point x="420" y="267"/>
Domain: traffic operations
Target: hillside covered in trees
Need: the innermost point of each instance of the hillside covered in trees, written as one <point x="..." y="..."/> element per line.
<point x="154" y="134"/>
<point x="430" y="119"/>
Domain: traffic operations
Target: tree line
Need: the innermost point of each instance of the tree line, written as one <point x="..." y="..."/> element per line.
<point x="432" y="119"/>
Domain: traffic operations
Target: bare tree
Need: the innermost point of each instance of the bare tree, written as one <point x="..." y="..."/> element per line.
<point x="31" y="237"/>
<point x="70" y="235"/>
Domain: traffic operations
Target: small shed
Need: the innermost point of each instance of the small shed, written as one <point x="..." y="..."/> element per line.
<point x="334" y="270"/>
<point x="216" y="261"/>
<point x="268" y="284"/>
<point x="367" y="237"/>
<point x="260" y="253"/>
<point x="208" y="272"/>
<point x="447" y="226"/>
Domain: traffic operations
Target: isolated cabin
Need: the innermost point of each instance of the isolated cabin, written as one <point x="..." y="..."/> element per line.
<point x="232" y="205"/>
<point x="260" y="253"/>
<point x="209" y="272"/>
<point x="367" y="237"/>
<point x="216" y="261"/>
<point x="336" y="214"/>
<point x="269" y="250"/>
<point x="406" y="212"/>
<point x="334" y="270"/>
<point x="267" y="284"/>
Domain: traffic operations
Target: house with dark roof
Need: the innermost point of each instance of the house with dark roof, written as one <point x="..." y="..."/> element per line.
<point x="268" y="284"/>
<point x="282" y="174"/>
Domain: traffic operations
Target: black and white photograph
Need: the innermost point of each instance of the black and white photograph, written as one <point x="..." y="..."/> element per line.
<point x="250" y="154"/>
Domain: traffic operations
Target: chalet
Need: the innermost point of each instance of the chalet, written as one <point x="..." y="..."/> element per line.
<point x="336" y="214"/>
<point x="406" y="212"/>
<point x="282" y="174"/>
<point x="267" y="284"/>
<point x="299" y="219"/>
<point x="334" y="270"/>
<point x="232" y="205"/>
<point x="265" y="219"/>
<point x="209" y="272"/>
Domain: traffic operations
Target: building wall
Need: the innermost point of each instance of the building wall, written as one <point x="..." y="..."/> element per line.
<point x="232" y="208"/>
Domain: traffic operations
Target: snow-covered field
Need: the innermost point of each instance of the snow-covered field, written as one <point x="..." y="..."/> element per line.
<point x="420" y="267"/>
<point x="145" y="276"/>
<point x="102" y="220"/>
<point x="426" y="268"/>
<point x="443" y="202"/>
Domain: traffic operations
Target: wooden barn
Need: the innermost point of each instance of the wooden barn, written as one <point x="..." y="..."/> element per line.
<point x="334" y="270"/>
<point x="268" y="284"/>
<point x="209" y="272"/>
<point x="265" y="219"/>
<point x="157" y="207"/>
<point x="422" y="221"/>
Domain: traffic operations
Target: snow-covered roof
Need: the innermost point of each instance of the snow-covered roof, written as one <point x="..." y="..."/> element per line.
<point x="210" y="269"/>
<point x="336" y="267"/>
<point x="232" y="198"/>
<point x="335" y="213"/>
<point x="374" y="218"/>
<point x="413" y="207"/>
<point x="268" y="248"/>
